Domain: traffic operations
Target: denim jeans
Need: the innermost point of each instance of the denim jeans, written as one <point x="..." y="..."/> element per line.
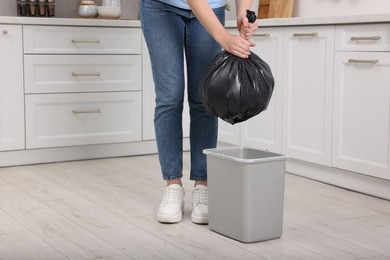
<point x="172" y="35"/>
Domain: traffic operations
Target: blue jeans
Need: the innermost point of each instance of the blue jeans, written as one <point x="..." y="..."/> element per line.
<point x="172" y="35"/>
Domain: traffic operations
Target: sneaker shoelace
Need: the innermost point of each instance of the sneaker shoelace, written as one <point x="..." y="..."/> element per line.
<point x="200" y="196"/>
<point x="172" y="196"/>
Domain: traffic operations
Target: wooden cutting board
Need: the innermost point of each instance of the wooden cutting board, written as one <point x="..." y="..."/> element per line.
<point x="280" y="8"/>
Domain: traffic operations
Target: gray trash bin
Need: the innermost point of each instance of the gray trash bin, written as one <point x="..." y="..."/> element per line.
<point x="246" y="193"/>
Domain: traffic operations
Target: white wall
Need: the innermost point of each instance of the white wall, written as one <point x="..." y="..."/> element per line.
<point x="318" y="8"/>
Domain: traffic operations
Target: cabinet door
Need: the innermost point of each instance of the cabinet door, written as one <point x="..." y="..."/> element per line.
<point x="81" y="73"/>
<point x="11" y="88"/>
<point x="148" y="100"/>
<point x="264" y="131"/>
<point x="80" y="40"/>
<point x="307" y="93"/>
<point x="361" y="113"/>
<point x="55" y="120"/>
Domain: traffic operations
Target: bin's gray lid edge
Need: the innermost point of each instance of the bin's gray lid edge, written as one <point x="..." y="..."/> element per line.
<point x="267" y="159"/>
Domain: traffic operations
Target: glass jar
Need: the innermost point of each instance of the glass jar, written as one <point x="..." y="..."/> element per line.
<point x="42" y="8"/>
<point x="88" y="9"/>
<point x="33" y="8"/>
<point x="50" y="8"/>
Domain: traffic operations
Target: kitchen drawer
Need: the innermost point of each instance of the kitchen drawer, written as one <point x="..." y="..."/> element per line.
<point x="367" y="37"/>
<point x="81" y="73"/>
<point x="55" y="120"/>
<point x="87" y="40"/>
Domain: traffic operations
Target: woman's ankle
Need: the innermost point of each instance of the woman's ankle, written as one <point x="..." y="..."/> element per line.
<point x="175" y="181"/>
<point x="201" y="183"/>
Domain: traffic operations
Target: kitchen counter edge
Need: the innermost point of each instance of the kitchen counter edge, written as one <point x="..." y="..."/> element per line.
<point x="294" y="21"/>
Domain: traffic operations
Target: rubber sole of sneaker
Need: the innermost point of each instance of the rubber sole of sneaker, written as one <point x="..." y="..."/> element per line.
<point x="199" y="220"/>
<point x="169" y="218"/>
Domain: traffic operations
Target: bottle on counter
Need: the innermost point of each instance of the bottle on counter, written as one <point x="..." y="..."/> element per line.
<point x="23" y="7"/>
<point x="42" y="7"/>
<point x="50" y="8"/>
<point x="33" y="7"/>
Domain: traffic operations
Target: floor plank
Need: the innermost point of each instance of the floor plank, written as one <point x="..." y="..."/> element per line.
<point x="68" y="238"/>
<point x="363" y="238"/>
<point x="194" y="239"/>
<point x="26" y="245"/>
<point x="114" y="230"/>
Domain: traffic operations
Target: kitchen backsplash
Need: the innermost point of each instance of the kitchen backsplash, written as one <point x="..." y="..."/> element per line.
<point x="69" y="8"/>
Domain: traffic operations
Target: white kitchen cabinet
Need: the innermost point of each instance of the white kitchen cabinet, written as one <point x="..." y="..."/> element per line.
<point x="148" y="100"/>
<point x="264" y="131"/>
<point x="11" y="88"/>
<point x="307" y="93"/>
<point x="82" y="73"/>
<point x="82" y="118"/>
<point x="361" y="114"/>
<point x="82" y="86"/>
<point x="228" y="133"/>
<point x="362" y="37"/>
<point x="81" y="40"/>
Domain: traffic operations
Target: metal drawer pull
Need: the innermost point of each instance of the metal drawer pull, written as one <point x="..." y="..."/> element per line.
<point x="93" y="111"/>
<point x="5" y="32"/>
<point x="264" y="35"/>
<point x="75" y="74"/>
<point x="305" y="35"/>
<point x="85" y="41"/>
<point x="368" y="38"/>
<point x="354" y="61"/>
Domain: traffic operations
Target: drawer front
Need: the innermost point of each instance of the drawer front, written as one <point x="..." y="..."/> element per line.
<point x="55" y="120"/>
<point x="367" y="37"/>
<point x="81" y="73"/>
<point x="87" y="40"/>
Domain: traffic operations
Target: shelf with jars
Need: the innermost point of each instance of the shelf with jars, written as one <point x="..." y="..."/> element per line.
<point x="36" y="8"/>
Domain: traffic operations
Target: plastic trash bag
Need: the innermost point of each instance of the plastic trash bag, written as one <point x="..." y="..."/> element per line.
<point x="236" y="89"/>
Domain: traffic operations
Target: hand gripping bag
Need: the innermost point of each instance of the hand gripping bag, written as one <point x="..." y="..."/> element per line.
<point x="236" y="89"/>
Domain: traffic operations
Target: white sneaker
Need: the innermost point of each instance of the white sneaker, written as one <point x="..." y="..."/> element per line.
<point x="200" y="210"/>
<point x="172" y="206"/>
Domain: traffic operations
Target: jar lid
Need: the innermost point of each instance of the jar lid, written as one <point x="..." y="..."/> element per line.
<point x="87" y="2"/>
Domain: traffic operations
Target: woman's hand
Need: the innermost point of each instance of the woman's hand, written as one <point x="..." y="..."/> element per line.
<point x="237" y="45"/>
<point x="247" y="30"/>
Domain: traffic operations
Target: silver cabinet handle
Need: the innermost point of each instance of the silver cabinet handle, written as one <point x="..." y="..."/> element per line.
<point x="92" y="111"/>
<point x="5" y="32"/>
<point x="85" y="41"/>
<point x="95" y="74"/>
<point x="263" y="35"/>
<point x="365" y="38"/>
<point x="305" y="35"/>
<point x="355" y="61"/>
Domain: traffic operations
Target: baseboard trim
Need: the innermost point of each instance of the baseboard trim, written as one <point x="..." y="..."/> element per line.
<point x="82" y="152"/>
<point x="341" y="178"/>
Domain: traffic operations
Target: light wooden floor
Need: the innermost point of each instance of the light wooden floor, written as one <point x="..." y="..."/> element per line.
<point x="105" y="209"/>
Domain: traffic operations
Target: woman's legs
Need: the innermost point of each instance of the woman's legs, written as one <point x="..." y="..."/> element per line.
<point x="164" y="30"/>
<point x="168" y="32"/>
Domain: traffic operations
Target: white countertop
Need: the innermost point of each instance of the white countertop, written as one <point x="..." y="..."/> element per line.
<point x="294" y="21"/>
<point x="350" y="19"/>
<point x="69" y="21"/>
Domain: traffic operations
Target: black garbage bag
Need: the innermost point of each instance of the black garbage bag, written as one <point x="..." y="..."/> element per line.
<point x="236" y="89"/>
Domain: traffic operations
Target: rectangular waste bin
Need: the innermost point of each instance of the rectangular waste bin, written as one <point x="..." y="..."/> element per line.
<point x="246" y="193"/>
